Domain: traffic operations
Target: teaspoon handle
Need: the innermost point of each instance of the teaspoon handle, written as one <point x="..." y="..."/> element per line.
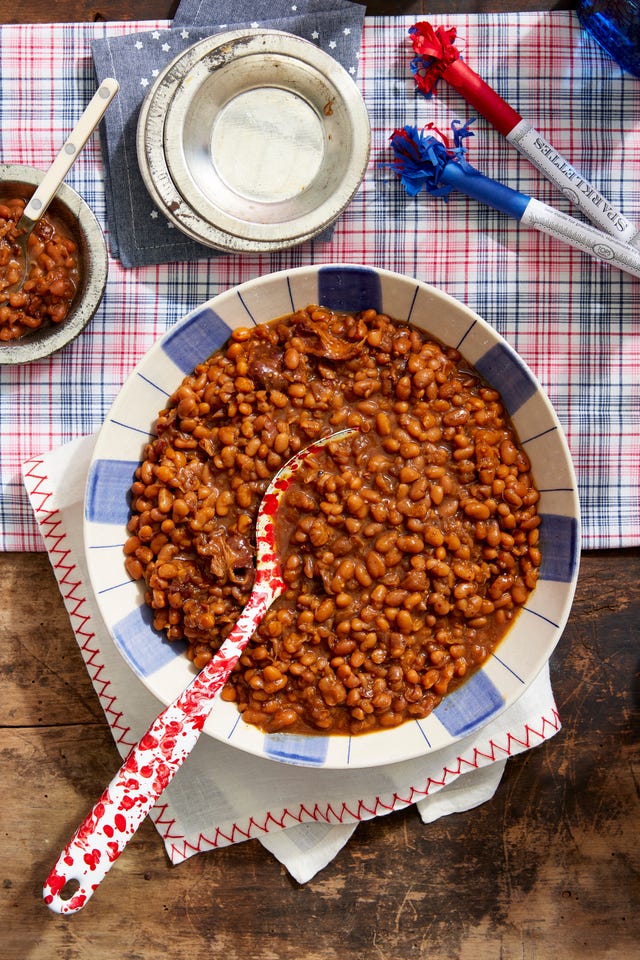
<point x="66" y="156"/>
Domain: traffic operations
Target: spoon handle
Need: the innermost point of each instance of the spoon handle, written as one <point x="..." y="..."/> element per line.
<point x="58" y="170"/>
<point x="152" y="764"/>
<point x="149" y="767"/>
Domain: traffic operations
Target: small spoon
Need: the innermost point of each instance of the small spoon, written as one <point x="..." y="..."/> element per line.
<point x="48" y="187"/>
<point x="153" y="762"/>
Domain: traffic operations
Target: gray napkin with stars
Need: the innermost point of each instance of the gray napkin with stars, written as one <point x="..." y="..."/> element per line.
<point x="139" y="233"/>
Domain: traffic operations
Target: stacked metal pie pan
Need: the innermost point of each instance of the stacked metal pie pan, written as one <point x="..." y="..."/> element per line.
<point x="253" y="141"/>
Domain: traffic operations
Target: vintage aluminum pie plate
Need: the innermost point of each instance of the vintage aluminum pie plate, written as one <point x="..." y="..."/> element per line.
<point x="164" y="669"/>
<point x="253" y="141"/>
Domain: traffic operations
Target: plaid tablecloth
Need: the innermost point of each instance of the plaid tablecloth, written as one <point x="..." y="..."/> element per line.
<point x="573" y="320"/>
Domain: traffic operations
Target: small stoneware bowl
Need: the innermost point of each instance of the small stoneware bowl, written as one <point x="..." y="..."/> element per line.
<point x="68" y="206"/>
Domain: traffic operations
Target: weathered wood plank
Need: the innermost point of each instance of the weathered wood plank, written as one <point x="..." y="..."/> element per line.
<point x="42" y="675"/>
<point x="549" y="867"/>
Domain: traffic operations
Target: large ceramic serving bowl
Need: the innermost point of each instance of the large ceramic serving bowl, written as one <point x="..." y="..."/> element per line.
<point x="163" y="668"/>
<point x="17" y="180"/>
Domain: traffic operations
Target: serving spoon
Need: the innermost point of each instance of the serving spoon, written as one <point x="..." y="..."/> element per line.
<point x="50" y="183"/>
<point x="157" y="757"/>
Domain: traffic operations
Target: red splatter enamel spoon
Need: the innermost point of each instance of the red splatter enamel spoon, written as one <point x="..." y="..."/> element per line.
<point x="152" y="764"/>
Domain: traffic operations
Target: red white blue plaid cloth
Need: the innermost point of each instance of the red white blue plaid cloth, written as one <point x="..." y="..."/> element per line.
<point x="572" y="319"/>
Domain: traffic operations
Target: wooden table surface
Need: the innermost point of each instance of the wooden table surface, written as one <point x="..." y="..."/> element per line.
<point x="549" y="868"/>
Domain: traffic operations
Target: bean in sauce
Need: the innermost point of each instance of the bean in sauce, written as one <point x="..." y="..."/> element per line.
<point x="51" y="282"/>
<point x="407" y="549"/>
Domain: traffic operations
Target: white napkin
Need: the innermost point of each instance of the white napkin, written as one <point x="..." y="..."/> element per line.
<point x="222" y="795"/>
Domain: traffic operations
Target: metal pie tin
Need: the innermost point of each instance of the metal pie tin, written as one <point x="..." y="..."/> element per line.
<point x="253" y="141"/>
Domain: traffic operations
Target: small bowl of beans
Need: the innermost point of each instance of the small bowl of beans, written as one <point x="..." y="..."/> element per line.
<point x="430" y="557"/>
<point x="66" y="270"/>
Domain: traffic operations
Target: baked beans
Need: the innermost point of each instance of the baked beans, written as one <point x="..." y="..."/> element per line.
<point x="52" y="276"/>
<point x="407" y="548"/>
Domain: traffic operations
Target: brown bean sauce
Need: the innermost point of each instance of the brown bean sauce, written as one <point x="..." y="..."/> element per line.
<point x="52" y="276"/>
<point x="407" y="549"/>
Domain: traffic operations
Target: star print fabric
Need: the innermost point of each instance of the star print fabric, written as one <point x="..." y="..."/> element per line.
<point x="140" y="234"/>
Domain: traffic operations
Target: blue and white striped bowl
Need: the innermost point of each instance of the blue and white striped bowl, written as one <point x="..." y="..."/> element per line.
<point x="164" y="669"/>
